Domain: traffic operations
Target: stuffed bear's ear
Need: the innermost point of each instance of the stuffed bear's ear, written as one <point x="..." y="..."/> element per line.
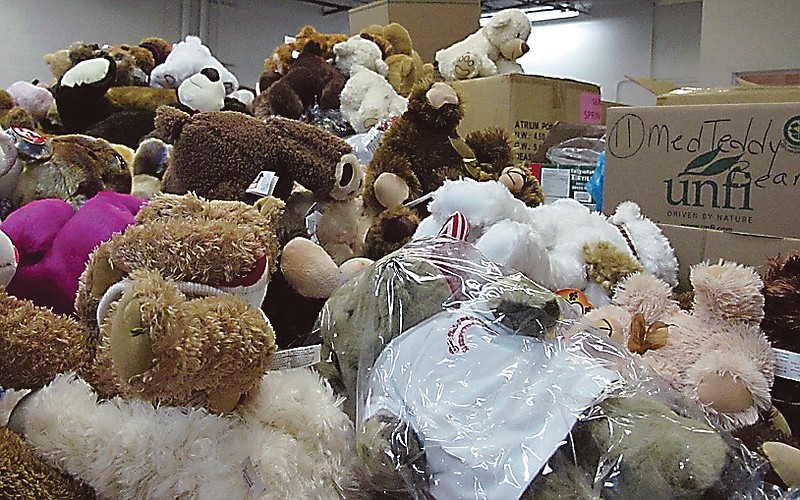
<point x="312" y="47"/>
<point x="169" y="122"/>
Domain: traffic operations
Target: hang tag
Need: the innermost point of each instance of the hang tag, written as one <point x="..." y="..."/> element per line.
<point x="28" y="135"/>
<point x="576" y="298"/>
<point x="255" y="485"/>
<point x="313" y="216"/>
<point x="787" y="364"/>
<point x="297" y="357"/>
<point x="263" y="184"/>
<point x="372" y="139"/>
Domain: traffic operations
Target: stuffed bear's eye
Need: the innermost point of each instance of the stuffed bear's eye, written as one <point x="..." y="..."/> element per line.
<point x="347" y="174"/>
<point x="211" y="74"/>
<point x="348" y="178"/>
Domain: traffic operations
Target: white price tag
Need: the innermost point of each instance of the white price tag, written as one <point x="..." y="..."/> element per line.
<point x="263" y="184"/>
<point x="787" y="364"/>
<point x="255" y="485"/>
<point x="313" y="216"/>
<point x="372" y="139"/>
<point x="296" y="357"/>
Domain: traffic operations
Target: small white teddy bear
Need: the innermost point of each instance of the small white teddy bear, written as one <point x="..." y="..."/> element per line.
<point x="186" y="59"/>
<point x="358" y="51"/>
<point x="367" y="99"/>
<point x="491" y="50"/>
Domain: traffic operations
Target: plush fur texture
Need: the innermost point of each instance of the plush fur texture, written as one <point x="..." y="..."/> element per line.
<point x="406" y="68"/>
<point x="367" y="99"/>
<point x="24" y="475"/>
<point x="358" y="51"/>
<point x="291" y="429"/>
<point x="282" y="58"/>
<point x="782" y="326"/>
<point x="492" y="49"/>
<point x="721" y="338"/>
<point x="77" y="169"/>
<point x="548" y="243"/>
<point x="311" y="80"/>
<point x="187" y="58"/>
<point x="54" y="242"/>
<point x="217" y="155"/>
<point x="32" y="98"/>
<point x="12" y="115"/>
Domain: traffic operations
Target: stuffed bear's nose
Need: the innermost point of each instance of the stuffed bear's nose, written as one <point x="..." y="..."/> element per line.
<point x="525" y="48"/>
<point x="211" y="74"/>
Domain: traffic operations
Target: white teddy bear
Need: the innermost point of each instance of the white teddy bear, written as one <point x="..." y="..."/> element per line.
<point x="358" y="51"/>
<point x="186" y="59"/>
<point x="491" y="50"/>
<point x="548" y="243"/>
<point x="367" y="99"/>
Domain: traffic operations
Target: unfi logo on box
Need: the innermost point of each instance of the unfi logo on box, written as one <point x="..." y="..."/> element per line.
<point x="714" y="163"/>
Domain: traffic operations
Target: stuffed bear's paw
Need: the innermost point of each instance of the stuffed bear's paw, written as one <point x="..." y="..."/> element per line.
<point x="466" y="66"/>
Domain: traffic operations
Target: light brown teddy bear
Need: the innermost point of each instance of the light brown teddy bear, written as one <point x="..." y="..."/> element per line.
<point x="154" y="304"/>
<point x="717" y="354"/>
<point x="282" y="57"/>
<point x="406" y="67"/>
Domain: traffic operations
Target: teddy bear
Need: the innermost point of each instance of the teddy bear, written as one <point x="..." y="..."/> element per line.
<point x="12" y="115"/>
<point x="34" y="99"/>
<point x="715" y="354"/>
<point x="69" y="167"/>
<point x="432" y="311"/>
<point x="54" y="241"/>
<point x="219" y="154"/>
<point x="419" y="151"/>
<point x="282" y="58"/>
<point x="781" y="325"/>
<point x="367" y="99"/>
<point x="311" y="80"/>
<point x="358" y="51"/>
<point x="185" y="59"/>
<point x="561" y="245"/>
<point x="491" y="50"/>
<point x="405" y="66"/>
<point x="87" y="103"/>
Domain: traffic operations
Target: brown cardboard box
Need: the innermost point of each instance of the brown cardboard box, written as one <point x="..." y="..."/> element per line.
<point x="528" y="106"/>
<point x="669" y="94"/>
<point x="432" y="24"/>
<point x="732" y="167"/>
<point x="693" y="245"/>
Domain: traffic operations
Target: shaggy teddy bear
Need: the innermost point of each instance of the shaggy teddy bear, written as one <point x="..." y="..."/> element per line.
<point x="492" y="49"/>
<point x="405" y="66"/>
<point x="72" y="168"/>
<point x="310" y="81"/>
<point x="716" y="354"/>
<point x="54" y="241"/>
<point x="560" y="245"/>
<point x="367" y="99"/>
<point x="219" y="154"/>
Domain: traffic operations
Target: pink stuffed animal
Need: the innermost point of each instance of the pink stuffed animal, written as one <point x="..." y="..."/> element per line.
<point x="54" y="242"/>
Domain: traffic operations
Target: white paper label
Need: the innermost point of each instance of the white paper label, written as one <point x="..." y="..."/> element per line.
<point x="787" y="364"/>
<point x="255" y="485"/>
<point x="297" y="357"/>
<point x="263" y="184"/>
<point x="313" y="216"/>
<point x="372" y="139"/>
<point x="555" y="182"/>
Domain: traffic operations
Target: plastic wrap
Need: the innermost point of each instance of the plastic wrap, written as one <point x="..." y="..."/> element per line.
<point x="470" y="382"/>
<point x="577" y="151"/>
<point x="330" y="120"/>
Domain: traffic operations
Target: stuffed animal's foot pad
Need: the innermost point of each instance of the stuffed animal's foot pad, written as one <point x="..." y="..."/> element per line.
<point x="129" y="342"/>
<point x="466" y="66"/>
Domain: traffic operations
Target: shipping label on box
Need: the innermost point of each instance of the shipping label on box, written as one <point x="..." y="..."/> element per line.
<point x="565" y="181"/>
<point x="727" y="167"/>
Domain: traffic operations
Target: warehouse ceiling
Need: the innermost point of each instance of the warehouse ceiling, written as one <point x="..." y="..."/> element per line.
<point x="487" y="6"/>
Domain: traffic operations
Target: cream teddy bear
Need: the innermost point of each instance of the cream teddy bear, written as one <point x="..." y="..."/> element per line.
<point x="489" y="51"/>
<point x="358" y="51"/>
<point x="367" y="99"/>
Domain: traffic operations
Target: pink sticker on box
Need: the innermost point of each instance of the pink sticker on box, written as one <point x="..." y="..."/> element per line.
<point x="590" y="108"/>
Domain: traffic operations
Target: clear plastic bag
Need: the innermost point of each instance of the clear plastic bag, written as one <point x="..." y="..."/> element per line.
<point x="467" y="385"/>
<point x="577" y="151"/>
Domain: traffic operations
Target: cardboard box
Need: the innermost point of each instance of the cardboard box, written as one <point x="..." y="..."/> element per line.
<point x="528" y="106"/>
<point x="731" y="167"/>
<point x="693" y="245"/>
<point x="432" y="24"/>
<point x="669" y="94"/>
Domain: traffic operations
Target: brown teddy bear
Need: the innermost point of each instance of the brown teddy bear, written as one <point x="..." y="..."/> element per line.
<point x="152" y="305"/>
<point x="219" y="154"/>
<point x="282" y="57"/>
<point x="406" y="67"/>
<point x="311" y="80"/>
<point x="12" y="115"/>
<point x="420" y="150"/>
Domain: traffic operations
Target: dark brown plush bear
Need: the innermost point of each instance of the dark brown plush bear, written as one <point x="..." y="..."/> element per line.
<point x="217" y="155"/>
<point x="310" y="80"/>
<point x="781" y="324"/>
<point x="422" y="149"/>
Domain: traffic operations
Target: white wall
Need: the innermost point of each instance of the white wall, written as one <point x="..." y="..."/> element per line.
<point x="33" y="28"/>
<point x="676" y="43"/>
<point x="748" y="35"/>
<point x="245" y="32"/>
